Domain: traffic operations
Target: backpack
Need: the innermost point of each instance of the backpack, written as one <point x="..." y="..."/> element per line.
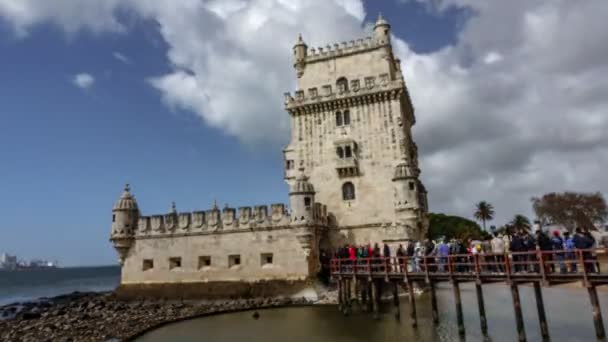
<point x="558" y="243"/>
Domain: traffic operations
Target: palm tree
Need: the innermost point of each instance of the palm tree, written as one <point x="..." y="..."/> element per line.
<point x="520" y="222"/>
<point x="484" y="211"/>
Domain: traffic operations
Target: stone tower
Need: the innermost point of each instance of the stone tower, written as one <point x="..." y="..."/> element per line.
<point x="125" y="215"/>
<point x="351" y="124"/>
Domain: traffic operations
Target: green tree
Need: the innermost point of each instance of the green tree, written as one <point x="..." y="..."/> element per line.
<point x="484" y="211"/>
<point x="571" y="209"/>
<point x="453" y="227"/>
<point x="520" y="222"/>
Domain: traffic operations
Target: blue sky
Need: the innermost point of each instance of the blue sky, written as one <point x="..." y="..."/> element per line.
<point x="175" y="87"/>
<point x="68" y="151"/>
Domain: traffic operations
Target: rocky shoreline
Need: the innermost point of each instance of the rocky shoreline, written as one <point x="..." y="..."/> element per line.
<point x="92" y="316"/>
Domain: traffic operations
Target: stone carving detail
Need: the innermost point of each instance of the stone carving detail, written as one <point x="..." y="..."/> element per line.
<point x="157" y="223"/>
<point x="261" y="214"/>
<point x="213" y="219"/>
<point x="198" y="218"/>
<point x="170" y="221"/>
<point x="143" y="224"/>
<point x="228" y="218"/>
<point x="277" y="212"/>
<point x="244" y="216"/>
<point x="184" y="220"/>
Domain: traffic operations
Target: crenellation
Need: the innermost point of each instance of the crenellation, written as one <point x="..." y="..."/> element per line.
<point x="156" y="222"/>
<point x="170" y="221"/>
<point x="184" y="220"/>
<point x="143" y="224"/>
<point x="214" y="220"/>
<point x="260" y="214"/>
<point x="229" y="220"/>
<point x="198" y="219"/>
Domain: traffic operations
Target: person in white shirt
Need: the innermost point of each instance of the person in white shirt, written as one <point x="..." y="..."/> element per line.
<point x="498" y="249"/>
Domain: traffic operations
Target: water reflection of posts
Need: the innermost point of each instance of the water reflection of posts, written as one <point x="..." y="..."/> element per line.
<point x="537" y="267"/>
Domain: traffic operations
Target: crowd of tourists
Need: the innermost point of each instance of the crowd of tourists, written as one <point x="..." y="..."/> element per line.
<point x="521" y="251"/>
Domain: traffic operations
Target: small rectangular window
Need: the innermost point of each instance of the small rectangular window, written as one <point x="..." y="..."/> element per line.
<point x="204" y="261"/>
<point x="234" y="260"/>
<point x="307" y="202"/>
<point x="113" y="217"/>
<point x="289" y="164"/>
<point x="175" y="262"/>
<point x="148" y="264"/>
<point x="266" y="259"/>
<point x="411" y="185"/>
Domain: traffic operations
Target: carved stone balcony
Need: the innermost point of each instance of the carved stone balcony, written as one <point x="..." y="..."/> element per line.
<point x="347" y="167"/>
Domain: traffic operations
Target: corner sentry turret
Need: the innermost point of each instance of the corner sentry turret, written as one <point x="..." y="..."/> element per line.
<point x="300" y="51"/>
<point x="125" y="214"/>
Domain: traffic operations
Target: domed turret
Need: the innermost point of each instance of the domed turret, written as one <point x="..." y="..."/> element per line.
<point x="405" y="183"/>
<point x="125" y="214"/>
<point x="299" y="51"/>
<point x="382" y="30"/>
<point x="302" y="199"/>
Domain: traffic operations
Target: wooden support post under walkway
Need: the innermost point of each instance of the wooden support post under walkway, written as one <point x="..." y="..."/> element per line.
<point x="410" y="290"/>
<point x="370" y="296"/>
<point x="363" y="289"/>
<point x="458" y="302"/>
<point x="375" y="299"/>
<point x="519" y="320"/>
<point x="482" y="310"/>
<point x="348" y="297"/>
<point x="396" y="300"/>
<point x="542" y="317"/>
<point x="434" y="303"/>
<point x="340" y="303"/>
<point x="597" y="314"/>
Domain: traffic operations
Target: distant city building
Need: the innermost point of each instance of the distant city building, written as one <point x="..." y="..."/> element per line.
<point x="8" y="261"/>
<point x="353" y="176"/>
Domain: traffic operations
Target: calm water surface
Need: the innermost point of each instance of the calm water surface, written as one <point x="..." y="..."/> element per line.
<point x="568" y="311"/>
<point x="24" y="285"/>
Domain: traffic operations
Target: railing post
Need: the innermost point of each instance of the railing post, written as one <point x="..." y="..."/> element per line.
<point x="581" y="257"/>
<point x="482" y="309"/>
<point x="541" y="263"/>
<point x="369" y="268"/>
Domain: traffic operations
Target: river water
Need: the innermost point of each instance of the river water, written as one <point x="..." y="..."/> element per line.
<point x="30" y="284"/>
<point x="568" y="312"/>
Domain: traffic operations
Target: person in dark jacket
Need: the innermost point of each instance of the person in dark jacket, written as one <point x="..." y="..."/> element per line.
<point x="401" y="257"/>
<point x="583" y="242"/>
<point x="557" y="243"/>
<point x="517" y="245"/>
<point x="386" y="253"/>
<point x="545" y="245"/>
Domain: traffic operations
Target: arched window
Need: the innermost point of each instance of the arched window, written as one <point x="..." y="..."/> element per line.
<point x="342" y="84"/>
<point x="346" y="117"/>
<point x="338" y="119"/>
<point x="347" y="152"/>
<point x="348" y="191"/>
<point x="340" y="152"/>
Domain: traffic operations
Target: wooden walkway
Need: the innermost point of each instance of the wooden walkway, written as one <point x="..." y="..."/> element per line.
<point x="363" y="280"/>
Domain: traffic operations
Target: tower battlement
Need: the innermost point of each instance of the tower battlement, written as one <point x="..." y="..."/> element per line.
<point x="226" y="220"/>
<point x="343" y="49"/>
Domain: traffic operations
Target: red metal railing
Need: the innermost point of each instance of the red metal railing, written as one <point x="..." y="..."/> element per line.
<point x="542" y="263"/>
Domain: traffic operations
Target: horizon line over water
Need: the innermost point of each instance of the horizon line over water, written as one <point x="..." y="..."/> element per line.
<point x="31" y="284"/>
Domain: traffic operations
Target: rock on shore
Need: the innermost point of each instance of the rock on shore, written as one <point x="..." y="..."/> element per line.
<point x="103" y="317"/>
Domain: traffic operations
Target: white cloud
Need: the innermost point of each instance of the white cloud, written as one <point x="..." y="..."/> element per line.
<point x="83" y="80"/>
<point x="120" y="57"/>
<point x="515" y="108"/>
